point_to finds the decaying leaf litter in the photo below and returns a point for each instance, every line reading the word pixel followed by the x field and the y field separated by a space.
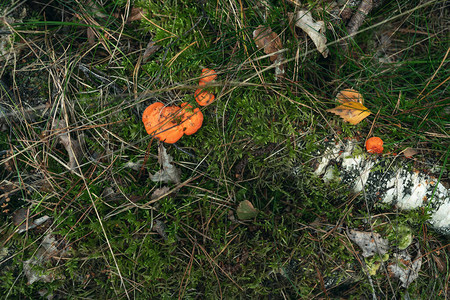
pixel 175 183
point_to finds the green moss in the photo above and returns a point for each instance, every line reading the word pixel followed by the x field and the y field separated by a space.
pixel 267 128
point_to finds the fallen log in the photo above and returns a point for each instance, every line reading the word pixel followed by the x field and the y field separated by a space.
pixel 384 179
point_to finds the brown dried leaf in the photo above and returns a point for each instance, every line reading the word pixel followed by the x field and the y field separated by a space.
pixel 72 146
pixel 23 221
pixel 439 263
pixel 409 152
pixel 20 217
pixel 267 40
pixel 160 192
pixel 91 36
pixel 136 14
pixel 161 228
pixel 151 48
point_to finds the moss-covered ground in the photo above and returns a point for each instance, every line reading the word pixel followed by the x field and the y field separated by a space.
pixel 82 62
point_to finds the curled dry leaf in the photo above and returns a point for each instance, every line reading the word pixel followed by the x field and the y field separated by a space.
pixel 314 29
pixel 352 109
pixel 72 146
pixel 135 166
pixel 136 14
pixel 405 269
pixel 161 228
pixel 409 152
pixel 270 42
pixel 371 243
pixel 267 40
pixel 21 219
pixel 159 192
pixel 441 266
pixel 151 48
pixel 91 36
pixel 168 172
pixel 37 267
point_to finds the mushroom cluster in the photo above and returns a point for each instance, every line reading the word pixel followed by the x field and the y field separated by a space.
pixel 204 97
pixel 169 123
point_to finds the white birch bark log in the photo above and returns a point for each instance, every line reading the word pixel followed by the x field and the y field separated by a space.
pixel 385 180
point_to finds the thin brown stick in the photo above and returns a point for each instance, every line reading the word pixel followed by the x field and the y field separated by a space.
pixel 356 21
pixel 359 16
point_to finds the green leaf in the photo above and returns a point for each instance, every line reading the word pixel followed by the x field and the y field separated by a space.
pixel 246 210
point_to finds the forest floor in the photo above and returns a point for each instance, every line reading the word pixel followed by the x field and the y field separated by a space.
pixel 92 206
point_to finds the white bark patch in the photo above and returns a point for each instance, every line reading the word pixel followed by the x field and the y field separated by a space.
pixel 441 217
pixel 385 180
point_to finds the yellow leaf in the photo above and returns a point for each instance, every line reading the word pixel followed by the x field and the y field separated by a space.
pixel 349 95
pixel 352 112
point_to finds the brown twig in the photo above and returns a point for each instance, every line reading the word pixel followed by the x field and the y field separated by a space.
pixel 359 16
pixel 357 19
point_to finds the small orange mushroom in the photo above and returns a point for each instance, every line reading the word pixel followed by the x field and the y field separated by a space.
pixel 208 75
pixel 170 130
pixel 374 145
pixel 162 122
pixel 192 119
pixel 203 98
pixel 150 117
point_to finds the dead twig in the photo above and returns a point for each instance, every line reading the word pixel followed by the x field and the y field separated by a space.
pixel 73 147
pixel 356 21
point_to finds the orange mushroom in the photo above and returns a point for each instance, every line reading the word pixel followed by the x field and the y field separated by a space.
pixel 203 98
pixel 191 119
pixel 374 145
pixel 150 117
pixel 208 75
pixel 162 122
pixel 171 132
